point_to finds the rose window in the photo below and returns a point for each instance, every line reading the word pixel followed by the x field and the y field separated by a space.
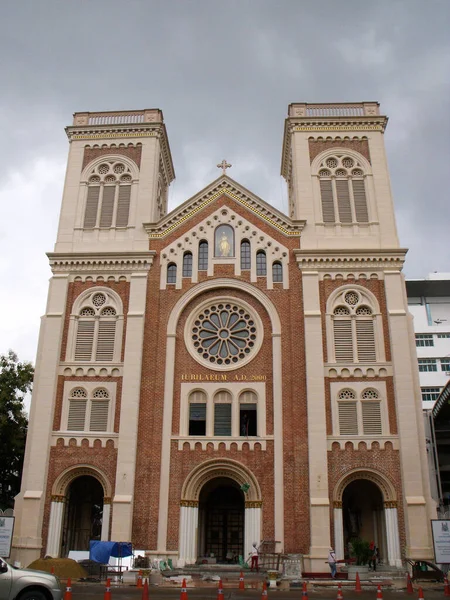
pixel 224 334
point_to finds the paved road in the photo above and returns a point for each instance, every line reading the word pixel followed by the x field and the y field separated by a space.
pixel 95 591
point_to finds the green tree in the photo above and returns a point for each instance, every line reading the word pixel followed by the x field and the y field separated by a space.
pixel 16 379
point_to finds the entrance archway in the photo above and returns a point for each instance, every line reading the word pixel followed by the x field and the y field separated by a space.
pixel 362 508
pixel 221 520
pixel 83 515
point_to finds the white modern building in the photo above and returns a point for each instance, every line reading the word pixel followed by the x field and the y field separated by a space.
pixel 429 303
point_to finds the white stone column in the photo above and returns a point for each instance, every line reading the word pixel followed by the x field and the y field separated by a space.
pixel 104 536
pixel 55 526
pixel 338 533
pixel 252 526
pixel 278 442
pixel 122 515
pixel 392 537
pixel 188 534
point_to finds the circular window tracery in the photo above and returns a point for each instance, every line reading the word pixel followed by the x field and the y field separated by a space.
pixel 351 298
pixel 224 334
pixel 98 300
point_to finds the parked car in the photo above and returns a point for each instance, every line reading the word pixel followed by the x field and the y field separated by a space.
pixel 26 584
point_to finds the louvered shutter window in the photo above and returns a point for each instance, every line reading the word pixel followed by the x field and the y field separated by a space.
pixel 106 214
pixel 222 419
pixel 343 343
pixel 105 340
pixel 348 418
pixel 326 193
pixel 365 336
pixel 85 340
pixel 343 198
pixel 99 411
pixel 77 415
pixel 371 417
pixel 90 215
pixel 359 195
pixel 123 206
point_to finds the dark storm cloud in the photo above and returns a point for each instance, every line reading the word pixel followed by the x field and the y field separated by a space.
pixel 224 73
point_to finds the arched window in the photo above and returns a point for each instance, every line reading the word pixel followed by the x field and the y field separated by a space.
pixel 171 273
pixel 88 412
pixel 277 272
pixel 246 261
pixel 187 264
pixel 203 256
pixel 197 413
pixel 342 191
pixel 248 414
pixel 96 329
pixel 261 263
pixel 224 241
pixel 353 328
pixel 222 413
pixel 371 412
pixel 108 196
pixel 360 416
pixel 348 415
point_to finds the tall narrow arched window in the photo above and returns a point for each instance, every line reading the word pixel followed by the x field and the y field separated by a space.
pixel 171 273
pixel 343 191
pixel 246 260
pixel 248 422
pixel 96 329
pixel 197 413
pixel 353 328
pixel 203 256
pixel 108 196
pixel 261 263
pixel 224 241
pixel 277 272
pixel 222 413
pixel 187 264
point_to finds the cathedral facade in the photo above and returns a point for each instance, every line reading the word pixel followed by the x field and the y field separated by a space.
pixel 224 374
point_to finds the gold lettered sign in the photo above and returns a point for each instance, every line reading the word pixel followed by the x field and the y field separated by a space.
pixel 221 377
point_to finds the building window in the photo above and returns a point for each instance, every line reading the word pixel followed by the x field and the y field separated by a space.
pixel 430 394
pixel 424 339
pixel 445 364
pixel 248 414
pixel 277 272
pixel 246 261
pixel 222 414
pixel 172 273
pixel 197 413
pixel 88 412
pixel 348 413
pixel 203 256
pixel 359 416
pixel 443 336
pixel 108 196
pixel 96 329
pixel 426 365
pixel 261 263
pixel 224 241
pixel 187 264
pixel 342 191
pixel 353 329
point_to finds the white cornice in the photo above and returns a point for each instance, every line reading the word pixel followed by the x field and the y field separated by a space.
pixel 378 260
pixel 101 262
pixel 225 186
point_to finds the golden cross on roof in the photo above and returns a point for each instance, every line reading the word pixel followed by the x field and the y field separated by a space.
pixel 224 166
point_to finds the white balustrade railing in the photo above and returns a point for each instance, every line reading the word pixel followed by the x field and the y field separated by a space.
pixel 338 111
pixel 116 119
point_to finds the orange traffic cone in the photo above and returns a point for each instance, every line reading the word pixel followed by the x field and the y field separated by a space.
pixel 358 583
pixel 339 594
pixel 421 594
pixel 68 592
pixel 264 591
pixel 107 595
pixel 241 581
pixel 447 587
pixel 220 591
pixel 183 595
pixel 145 590
pixel 139 580
pixel 409 587
pixel 379 593
pixel 304 592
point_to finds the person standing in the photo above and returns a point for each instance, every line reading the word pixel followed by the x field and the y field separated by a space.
pixel 332 562
pixel 254 555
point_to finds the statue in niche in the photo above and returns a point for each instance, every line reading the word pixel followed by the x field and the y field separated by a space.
pixel 224 241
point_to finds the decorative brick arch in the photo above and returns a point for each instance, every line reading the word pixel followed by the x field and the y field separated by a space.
pixel 381 481
pixel 63 481
pixel 212 469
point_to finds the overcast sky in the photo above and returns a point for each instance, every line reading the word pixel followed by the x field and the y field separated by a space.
pixel 223 72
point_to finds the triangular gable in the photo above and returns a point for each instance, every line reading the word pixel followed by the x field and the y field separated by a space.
pixel 224 185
